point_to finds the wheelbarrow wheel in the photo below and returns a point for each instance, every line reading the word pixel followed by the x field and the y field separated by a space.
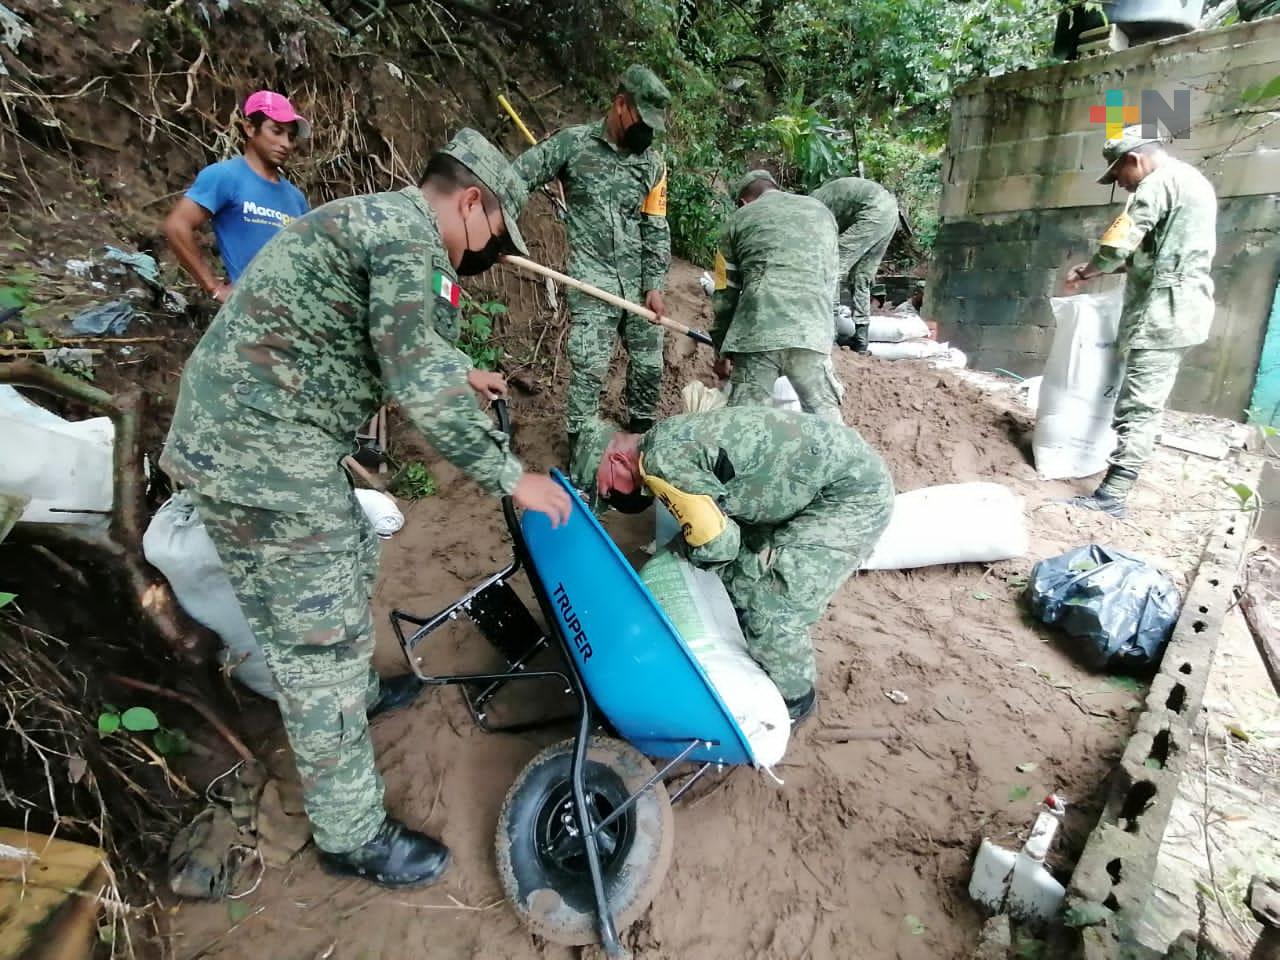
pixel 541 857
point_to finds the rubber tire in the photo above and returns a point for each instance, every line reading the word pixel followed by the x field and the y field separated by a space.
pixel 631 884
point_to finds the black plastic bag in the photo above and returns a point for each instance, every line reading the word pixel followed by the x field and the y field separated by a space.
pixel 1123 607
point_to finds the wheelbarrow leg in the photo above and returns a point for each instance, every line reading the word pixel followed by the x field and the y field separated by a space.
pixel 608 932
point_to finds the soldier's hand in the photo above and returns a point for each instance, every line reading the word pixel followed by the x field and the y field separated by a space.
pixel 1076 276
pixel 487 384
pixel 538 492
pixel 653 300
pixel 221 291
pixel 722 368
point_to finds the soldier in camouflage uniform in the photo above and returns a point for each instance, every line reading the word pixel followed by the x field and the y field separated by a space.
pixel 1164 241
pixel 866 216
pixel 783 506
pixel 616 191
pixel 775 270
pixel 341 311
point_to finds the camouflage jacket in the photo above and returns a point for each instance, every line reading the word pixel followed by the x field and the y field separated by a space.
pixel 350 306
pixel 735 468
pixel 775 271
pixel 852 199
pixel 1165 241
pixel 617 222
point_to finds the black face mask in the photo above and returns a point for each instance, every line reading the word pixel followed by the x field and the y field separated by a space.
pixel 478 261
pixel 637 137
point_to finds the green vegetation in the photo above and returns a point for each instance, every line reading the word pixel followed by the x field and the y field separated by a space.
pixel 414 482
pixel 811 88
pixel 476 332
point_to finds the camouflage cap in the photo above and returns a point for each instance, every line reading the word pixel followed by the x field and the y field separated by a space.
pixel 649 94
pixel 750 178
pixel 1116 149
pixel 879 290
pixel 473 151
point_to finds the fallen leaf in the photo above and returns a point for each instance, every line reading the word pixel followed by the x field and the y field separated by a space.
pixel 1124 683
pixel 914 925
pixel 1018 793
pixel 237 910
pixel 1026 767
pixel 108 722
pixel 139 719
pixel 1238 733
pixel 76 768
pixel 979 595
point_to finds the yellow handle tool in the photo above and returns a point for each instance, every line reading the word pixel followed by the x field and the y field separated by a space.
pixel 558 196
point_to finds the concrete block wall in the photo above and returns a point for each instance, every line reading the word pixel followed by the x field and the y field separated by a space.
pixel 1020 203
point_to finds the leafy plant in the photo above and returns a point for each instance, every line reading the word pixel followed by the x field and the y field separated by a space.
pixel 166 740
pixel 16 292
pixel 38 338
pixel 476 333
pixel 7 598
pixel 414 482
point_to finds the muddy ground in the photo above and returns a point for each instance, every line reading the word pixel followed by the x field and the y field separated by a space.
pixel 864 851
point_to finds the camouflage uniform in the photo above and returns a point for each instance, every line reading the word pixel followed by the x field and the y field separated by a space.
pixel 335 316
pixel 866 216
pixel 619 241
pixel 772 305
pixel 1165 240
pixel 783 506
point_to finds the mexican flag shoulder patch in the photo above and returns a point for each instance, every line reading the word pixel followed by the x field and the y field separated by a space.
pixel 446 289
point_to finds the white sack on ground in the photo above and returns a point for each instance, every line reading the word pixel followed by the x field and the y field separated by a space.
pixel 953 523
pixel 1082 375
pixel 698 605
pixel 909 350
pixel 177 545
pixel 63 466
pixel 895 328
pixel 785 396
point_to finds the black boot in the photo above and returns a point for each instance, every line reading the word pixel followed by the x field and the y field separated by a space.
pixel 1110 496
pixel 395 693
pixel 395 857
pixel 801 708
pixel 861 338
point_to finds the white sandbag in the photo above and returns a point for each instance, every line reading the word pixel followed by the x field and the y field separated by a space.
pixel 845 327
pixel 1082 375
pixel 1029 390
pixel 953 523
pixel 177 545
pixel 381 510
pixel 894 328
pixel 909 350
pixel 785 396
pixel 953 359
pixel 698 605
pixel 698 397
pixel 63 466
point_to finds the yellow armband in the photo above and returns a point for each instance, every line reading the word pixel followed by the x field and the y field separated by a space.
pixel 721 271
pixel 701 521
pixel 1117 235
pixel 655 201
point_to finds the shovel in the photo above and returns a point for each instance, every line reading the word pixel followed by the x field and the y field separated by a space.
pixel 529 266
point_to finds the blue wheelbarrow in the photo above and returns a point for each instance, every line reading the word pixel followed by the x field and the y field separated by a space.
pixel 585 835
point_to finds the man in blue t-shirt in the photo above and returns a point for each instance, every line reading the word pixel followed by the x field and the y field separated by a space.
pixel 246 197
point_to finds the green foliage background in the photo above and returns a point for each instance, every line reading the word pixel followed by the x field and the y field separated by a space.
pixel 811 88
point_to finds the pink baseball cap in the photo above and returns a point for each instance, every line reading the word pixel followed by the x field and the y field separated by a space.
pixel 278 108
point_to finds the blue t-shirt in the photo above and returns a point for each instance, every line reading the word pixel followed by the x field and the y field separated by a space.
pixel 247 209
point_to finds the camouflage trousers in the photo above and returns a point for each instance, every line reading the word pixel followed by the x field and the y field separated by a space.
pixel 860 249
pixel 809 371
pixel 593 332
pixel 304 582
pixel 1148 378
pixel 784 577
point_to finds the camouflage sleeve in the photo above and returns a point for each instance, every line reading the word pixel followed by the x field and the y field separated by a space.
pixel 542 163
pixel 728 279
pixel 655 234
pixel 684 478
pixel 425 374
pixel 1148 205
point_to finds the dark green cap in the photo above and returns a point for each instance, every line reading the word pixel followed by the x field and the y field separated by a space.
pixel 1115 150
pixel 473 151
pixel 750 178
pixel 649 94
pixel 879 290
